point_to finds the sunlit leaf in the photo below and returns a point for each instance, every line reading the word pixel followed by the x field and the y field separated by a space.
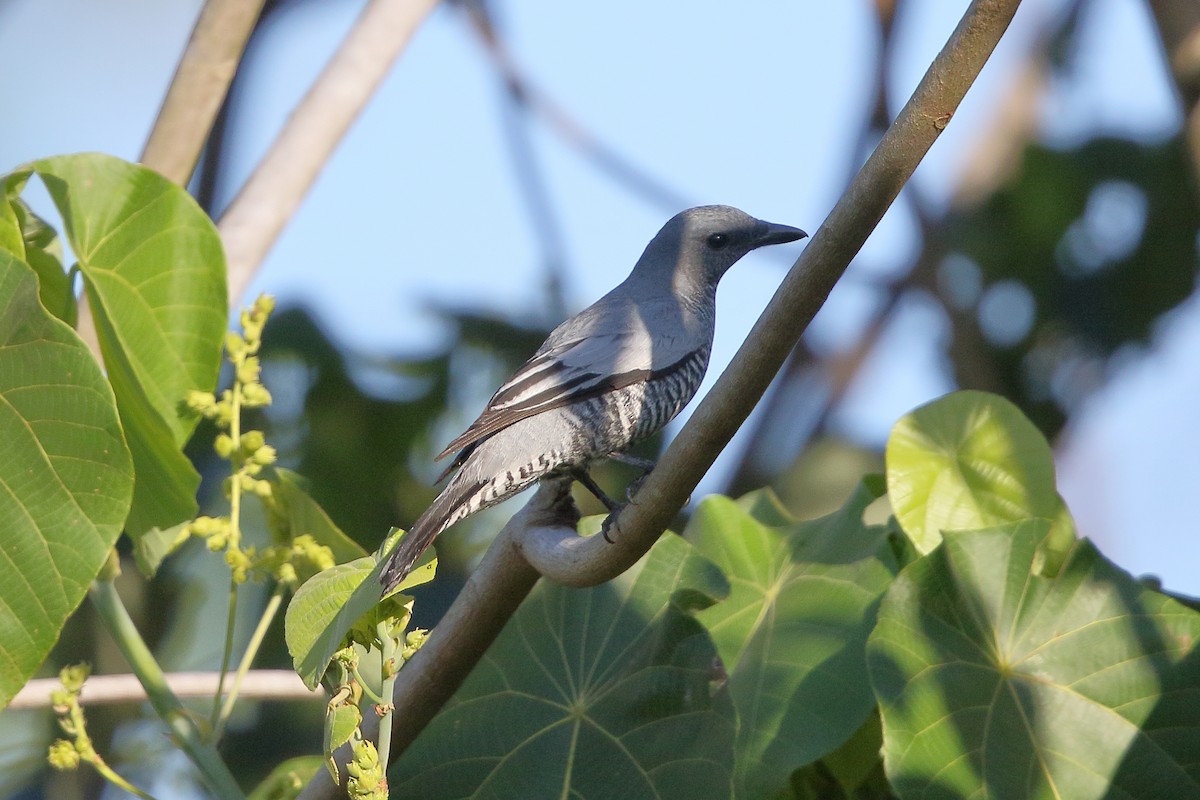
pixel 792 633
pixel 330 603
pixel 65 477
pixel 968 460
pixel 995 681
pixel 589 693
pixel 155 278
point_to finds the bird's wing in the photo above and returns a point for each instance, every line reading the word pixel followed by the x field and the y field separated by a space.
pixel 563 373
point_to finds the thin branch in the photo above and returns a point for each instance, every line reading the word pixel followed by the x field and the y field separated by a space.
pixel 261 684
pixel 199 87
pixel 272 194
pixel 1178 23
pixel 795 303
pixel 571 131
pixel 531 179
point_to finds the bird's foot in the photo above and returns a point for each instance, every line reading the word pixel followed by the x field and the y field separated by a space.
pixel 643 464
pixel 609 523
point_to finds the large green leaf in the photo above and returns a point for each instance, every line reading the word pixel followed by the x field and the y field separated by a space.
pixel 330 603
pixel 995 681
pixel 792 634
pixel 968 460
pixel 155 277
pixel 590 693
pixel 65 475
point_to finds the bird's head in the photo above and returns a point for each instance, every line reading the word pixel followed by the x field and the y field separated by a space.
pixel 696 247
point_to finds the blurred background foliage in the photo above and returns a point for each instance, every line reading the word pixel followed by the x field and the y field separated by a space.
pixel 1051 265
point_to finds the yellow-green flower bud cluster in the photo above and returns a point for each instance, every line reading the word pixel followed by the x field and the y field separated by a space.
pixel 68 753
pixel 247 451
pixel 413 641
pixel 367 781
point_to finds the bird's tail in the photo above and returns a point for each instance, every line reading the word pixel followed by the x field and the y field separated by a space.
pixel 447 509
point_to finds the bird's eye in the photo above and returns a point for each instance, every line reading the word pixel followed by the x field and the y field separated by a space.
pixel 717 241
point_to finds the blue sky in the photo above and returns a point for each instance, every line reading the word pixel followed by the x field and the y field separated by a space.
pixel 756 105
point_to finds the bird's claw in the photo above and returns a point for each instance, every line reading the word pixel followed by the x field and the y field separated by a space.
pixel 609 523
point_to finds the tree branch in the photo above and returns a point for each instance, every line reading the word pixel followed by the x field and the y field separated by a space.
pixel 272 194
pixel 199 86
pixel 795 303
pixel 506 576
pixel 259 684
pixel 1178 23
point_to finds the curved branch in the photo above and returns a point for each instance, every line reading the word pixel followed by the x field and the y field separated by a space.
pixel 272 194
pixel 798 298
pixel 505 577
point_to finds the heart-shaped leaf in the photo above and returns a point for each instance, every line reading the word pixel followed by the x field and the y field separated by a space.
pixel 969 460
pixel 589 693
pixel 995 681
pixel 792 634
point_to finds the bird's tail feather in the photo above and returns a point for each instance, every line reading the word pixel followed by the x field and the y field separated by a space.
pixel 439 516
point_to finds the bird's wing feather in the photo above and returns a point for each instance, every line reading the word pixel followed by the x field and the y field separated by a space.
pixel 562 374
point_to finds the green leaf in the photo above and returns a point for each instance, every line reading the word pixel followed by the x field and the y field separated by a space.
pixel 330 603
pixel 341 722
pixel 299 514
pixel 968 460
pixel 287 779
pixel 28 237
pixel 156 544
pixel 65 478
pixel 793 631
pixel 589 693
pixel 155 276
pixel 994 681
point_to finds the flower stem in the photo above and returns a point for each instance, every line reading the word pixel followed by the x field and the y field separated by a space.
pixel 256 640
pixel 116 620
pixel 226 657
pixel 234 542
pixel 388 650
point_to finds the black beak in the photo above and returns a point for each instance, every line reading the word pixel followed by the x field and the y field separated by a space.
pixel 778 234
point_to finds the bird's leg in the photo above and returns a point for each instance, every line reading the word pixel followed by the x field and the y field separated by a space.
pixel 644 464
pixel 613 507
pixel 585 479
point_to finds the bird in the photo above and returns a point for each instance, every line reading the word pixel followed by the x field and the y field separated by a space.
pixel 613 374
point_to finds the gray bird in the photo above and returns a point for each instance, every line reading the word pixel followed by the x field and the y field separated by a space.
pixel 613 374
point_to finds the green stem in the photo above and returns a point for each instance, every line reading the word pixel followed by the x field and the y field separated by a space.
pixel 116 620
pixel 226 657
pixel 235 542
pixel 113 777
pixel 390 667
pixel 256 640
pixel 367 690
